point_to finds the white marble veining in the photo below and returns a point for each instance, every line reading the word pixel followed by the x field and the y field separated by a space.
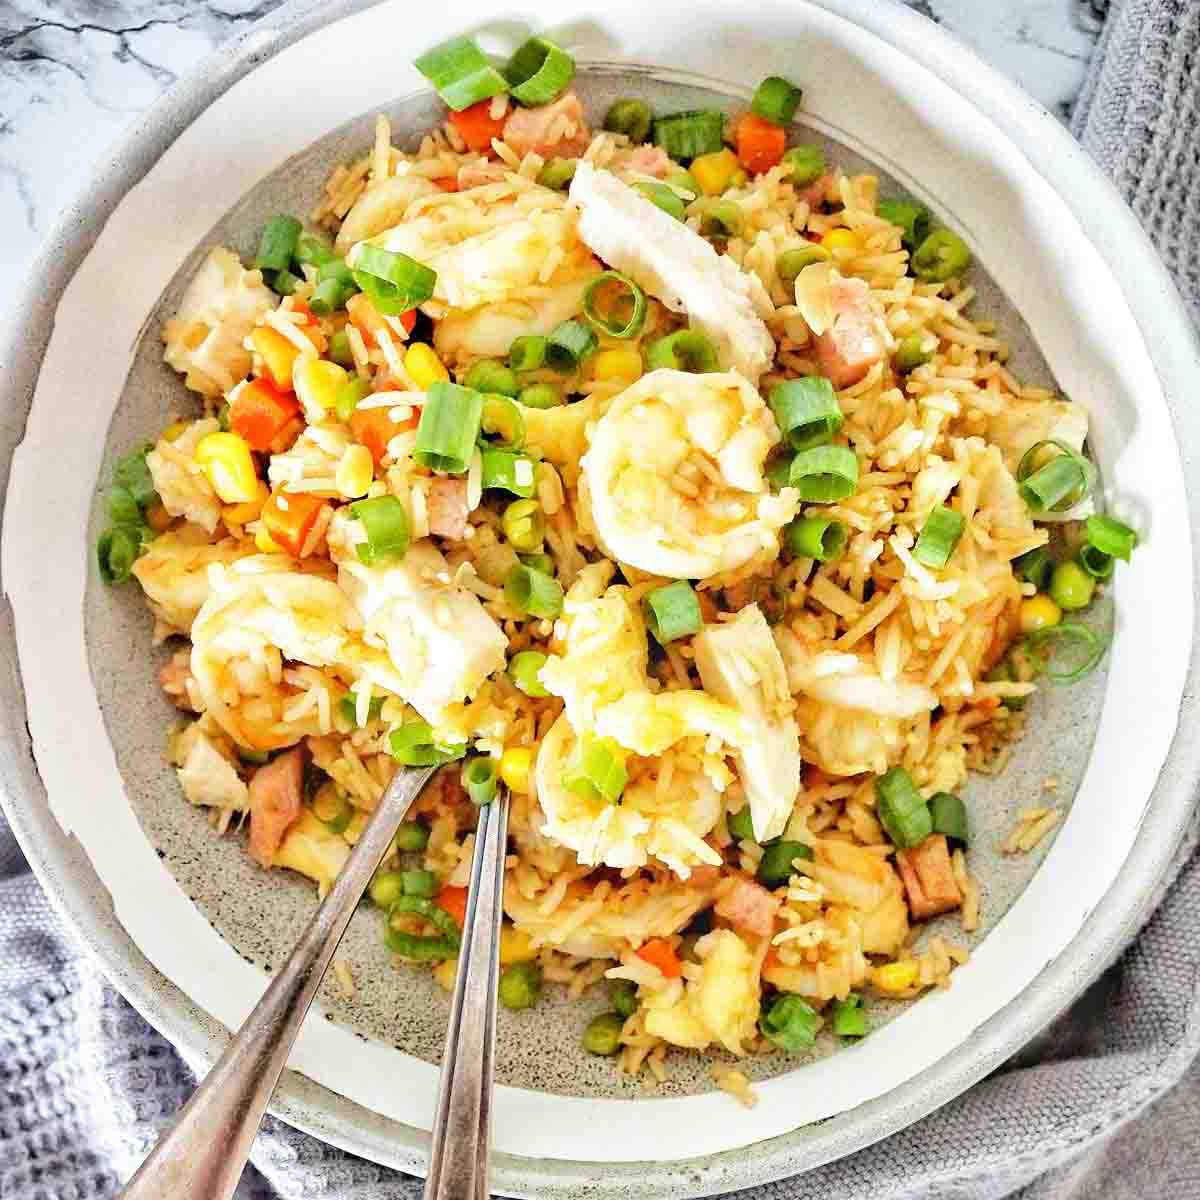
pixel 75 73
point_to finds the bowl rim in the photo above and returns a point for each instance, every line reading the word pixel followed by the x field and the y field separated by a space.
pixel 80 899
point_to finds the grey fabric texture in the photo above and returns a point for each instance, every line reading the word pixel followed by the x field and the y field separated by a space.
pixel 1102 1106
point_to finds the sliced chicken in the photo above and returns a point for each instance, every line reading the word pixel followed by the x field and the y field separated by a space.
pixel 276 800
pixel 208 778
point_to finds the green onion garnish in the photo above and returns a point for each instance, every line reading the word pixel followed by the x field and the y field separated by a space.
pixel 527 352
pixel 417 946
pixel 824 474
pixel 532 593
pixel 1095 562
pixel 339 348
pixel 775 867
pixel 539 72
pixel 394 283
pixel 662 197
pixel 687 135
pixel 541 395
pixel 1087 645
pixel 805 165
pixel 329 296
pixel 684 350
pixel 313 250
pixel 791 262
pixel 349 396
pixel 123 509
pixel 502 418
pixel 901 809
pixel 284 283
pixel 479 780
pixel 806 411
pixel 558 173
pixel 949 816
pixel 615 304
pixel 911 353
pixel 385 520
pixel 349 709
pixel 461 73
pixel 912 217
pixel 790 1023
pixel 847 1018
pixel 491 375
pixel 939 537
pixel 413 744
pixel 132 473
pixel 538 562
pixel 741 824
pixel 596 769
pixel 277 245
pixel 820 538
pixel 523 670
pixel 1111 536
pixel 633 118
pixel 568 345
pixel 449 428
pixel 673 611
pixel 941 255
pixel 508 471
pixel 1054 486
pixel 117 551
pixel 1035 567
pixel 778 469
pixel 776 100
pixel 721 220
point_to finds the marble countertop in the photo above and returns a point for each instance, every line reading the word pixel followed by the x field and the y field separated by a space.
pixel 75 73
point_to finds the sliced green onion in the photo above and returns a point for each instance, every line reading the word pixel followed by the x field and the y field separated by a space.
pixel 776 867
pixel 538 562
pixel 284 283
pixel 1111 536
pixel 911 353
pixel 791 262
pixel 662 197
pixel 558 173
pixel 687 135
pixel 385 520
pixel 1059 485
pixel 912 217
pixel 411 836
pixel 394 283
pixel 541 395
pixel 722 219
pixel 603 1034
pixel 460 73
pixel 902 810
pixel 419 883
pixel 776 100
pixel 741 824
pixel 123 509
pixel 416 946
pixel 449 428
pixel 479 778
pixel 117 551
pixel 508 471
pixel 847 1019
pixel 805 164
pixel 539 72
pixel 939 537
pixel 132 473
pixel 622 995
pixel 941 255
pixel 568 345
pixel 1035 567
pixel 824 474
pixel 1090 648
pixel 806 411
pixel 673 611
pixel 596 769
pixel 527 352
pixel 413 745
pixel 524 524
pixel 520 985
pixel 277 245
pixel 820 538
pixel 949 816
pixel 349 709
pixel 523 670
pixel 615 304
pixel 684 350
pixel 327 297
pixel 778 469
pixel 313 250
pixel 502 418
pixel 491 375
pixel 633 118
pixel 681 178
pixel 790 1023
pixel 339 349
pixel 349 396
pixel 332 809
pixel 386 888
pixel 532 593
pixel 1095 562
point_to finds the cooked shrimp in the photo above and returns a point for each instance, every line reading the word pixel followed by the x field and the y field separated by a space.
pixel 850 332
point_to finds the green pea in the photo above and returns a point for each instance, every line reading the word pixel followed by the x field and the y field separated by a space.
pixel 603 1034
pixel 805 165
pixel 741 824
pixel 541 395
pixel 557 174
pixel 520 985
pixel 630 117
pixel 775 866
pixel 910 354
pixel 622 995
pixel 941 256
pixel 790 1023
pixel 412 835
pixel 419 883
pixel 387 887
pixel 524 525
pixel 1071 587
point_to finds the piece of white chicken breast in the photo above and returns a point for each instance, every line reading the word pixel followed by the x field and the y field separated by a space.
pixel 208 778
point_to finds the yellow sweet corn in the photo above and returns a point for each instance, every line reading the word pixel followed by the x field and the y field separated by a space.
pixel 249 510
pixel 316 381
pixel 229 467
pixel 895 976
pixel 715 172
pixel 355 472
pixel 624 366
pixel 423 366
pixel 841 239
pixel 515 765
pixel 516 946
pixel 266 543
pixel 1039 612
pixel 173 430
pixel 277 353
pixel 445 972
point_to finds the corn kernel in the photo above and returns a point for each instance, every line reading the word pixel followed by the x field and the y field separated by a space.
pixel 277 353
pixel 1039 612
pixel 240 514
pixel 715 172
pixel 424 366
pixel 515 765
pixel 841 239
pixel 895 976
pixel 229 467
pixel 445 973
pixel 624 366
pixel 174 430
pixel 266 543
pixel 515 946
pixel 316 381
pixel 355 473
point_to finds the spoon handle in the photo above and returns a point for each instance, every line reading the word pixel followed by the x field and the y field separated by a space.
pixel 202 1155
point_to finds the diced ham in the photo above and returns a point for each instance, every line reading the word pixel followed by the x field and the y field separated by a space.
pixel 476 174
pixel 649 160
pixel 174 678
pixel 555 130
pixel 276 801
pixel 928 878
pixel 448 508
pixel 749 906
pixel 852 345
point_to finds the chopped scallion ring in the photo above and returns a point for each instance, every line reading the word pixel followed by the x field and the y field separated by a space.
pixel 417 946
pixel 533 593
pixel 132 473
pixel 806 411
pixel 523 670
pixel 949 815
pixel 791 1023
pixel 615 304
pixel 1049 641
pixel 901 809
pixel 277 245
pixel 479 778
pixel 684 350
pixel 939 537
pixel 1035 566
pixel 539 72
pixel 449 428
pixel 1111 536
pixel 385 520
pixel 1096 562
pixel 662 197
pixel 413 744
pixel 847 1018
pixel 507 470
pixel 461 73
pixel 673 611
pixel 502 418
pixel 568 345
pixel 824 474
pixel 541 395
pixel 687 135
pixel 776 100
pixel 633 118
pixel 819 538
pixel 912 217
pixel 313 250
pixel 393 282
pixel 1053 486
pixel 527 352
pixel 596 769
pixel 284 283
pixel 117 551
pixel 491 376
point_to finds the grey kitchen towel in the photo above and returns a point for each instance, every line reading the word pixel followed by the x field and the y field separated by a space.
pixel 1102 1106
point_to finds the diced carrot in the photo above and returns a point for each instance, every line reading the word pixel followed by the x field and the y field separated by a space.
pixel 760 145
pixel 771 959
pixel 454 901
pixel 277 353
pixel 658 952
pixel 260 413
pixel 290 526
pixel 448 183
pixel 364 316
pixel 374 427
pixel 476 126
